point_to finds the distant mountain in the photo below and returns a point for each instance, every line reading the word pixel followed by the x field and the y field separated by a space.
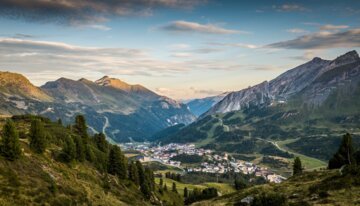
pixel 200 106
pixel 123 112
pixel 292 82
pixel 310 106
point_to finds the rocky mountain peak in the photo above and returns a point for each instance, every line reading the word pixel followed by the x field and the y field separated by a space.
pixel 346 58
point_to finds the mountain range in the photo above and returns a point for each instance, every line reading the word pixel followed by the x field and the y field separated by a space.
pixel 201 105
pixel 122 111
pixel 305 108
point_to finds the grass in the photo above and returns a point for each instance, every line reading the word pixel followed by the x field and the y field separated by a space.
pixel 310 163
pixel 223 188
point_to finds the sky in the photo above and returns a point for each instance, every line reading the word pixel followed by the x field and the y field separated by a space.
pixel 182 49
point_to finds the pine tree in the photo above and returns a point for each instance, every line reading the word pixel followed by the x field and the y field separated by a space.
pixel 101 143
pixel 165 187
pixel 80 127
pixel 240 184
pixel 80 149
pixel 186 193
pixel 9 145
pixel 161 182
pixel 59 121
pixel 133 173
pixel 344 155
pixel 37 136
pixel 69 149
pixel 89 153
pixel 174 187
pixel 297 166
pixel 117 164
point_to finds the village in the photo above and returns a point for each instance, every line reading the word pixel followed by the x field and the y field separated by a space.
pixel 214 163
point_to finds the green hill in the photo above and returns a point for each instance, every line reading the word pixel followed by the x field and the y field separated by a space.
pixel 47 179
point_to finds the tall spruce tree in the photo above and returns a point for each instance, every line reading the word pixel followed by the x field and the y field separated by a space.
pixel 186 193
pixel 80 127
pixel 37 136
pixel 133 173
pixel 297 166
pixel 9 145
pixel 344 155
pixel 117 164
pixel 101 143
pixel 174 187
pixel 80 149
pixel 69 149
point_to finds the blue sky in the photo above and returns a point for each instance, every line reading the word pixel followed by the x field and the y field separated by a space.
pixel 179 48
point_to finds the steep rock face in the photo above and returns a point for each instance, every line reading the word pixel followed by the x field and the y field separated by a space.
pixel 314 80
pixel 200 106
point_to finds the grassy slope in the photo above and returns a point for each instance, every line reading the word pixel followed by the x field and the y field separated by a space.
pixel 302 190
pixel 41 180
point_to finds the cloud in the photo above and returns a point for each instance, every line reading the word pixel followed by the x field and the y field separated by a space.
pixel 98 27
pixel 322 40
pixel 186 26
pixel 181 54
pixel 296 31
pixel 290 8
pixel 48 60
pixel 240 45
pixel 333 27
pixel 79 12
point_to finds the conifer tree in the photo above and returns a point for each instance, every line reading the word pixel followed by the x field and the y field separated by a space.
pixel 161 182
pixel 80 149
pixel 80 127
pixel 174 187
pixel 59 121
pixel 186 193
pixel 101 143
pixel 69 149
pixel 9 145
pixel 133 173
pixel 37 136
pixel 165 187
pixel 117 164
pixel 344 155
pixel 297 166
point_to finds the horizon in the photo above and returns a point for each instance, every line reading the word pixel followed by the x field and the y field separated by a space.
pixel 179 49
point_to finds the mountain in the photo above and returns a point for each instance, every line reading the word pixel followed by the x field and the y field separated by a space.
pixel 200 106
pixel 123 112
pixel 294 81
pixel 298 112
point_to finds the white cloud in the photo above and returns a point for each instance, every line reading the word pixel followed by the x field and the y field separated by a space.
pixel 333 27
pixel 322 40
pixel 186 26
pixel 296 31
pixel 290 8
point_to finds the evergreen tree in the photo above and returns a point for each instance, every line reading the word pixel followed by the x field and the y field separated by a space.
pixel 80 148
pixel 186 193
pixel 101 143
pixel 59 121
pixel 165 187
pixel 89 153
pixel 344 155
pixel 9 145
pixel 174 187
pixel 117 164
pixel 133 173
pixel 297 166
pixel 149 175
pixel 69 149
pixel 240 184
pixel 37 136
pixel 80 127
pixel 161 182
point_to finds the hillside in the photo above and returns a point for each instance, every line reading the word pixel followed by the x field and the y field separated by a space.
pixel 310 188
pixel 49 179
pixel 123 112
